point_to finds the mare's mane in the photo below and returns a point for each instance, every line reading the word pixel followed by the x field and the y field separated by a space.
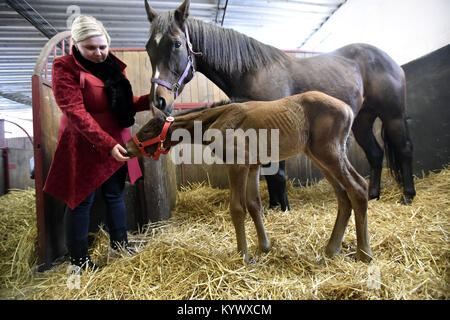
pixel 224 49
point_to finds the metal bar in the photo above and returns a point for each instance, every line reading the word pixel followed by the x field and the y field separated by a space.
pixel 30 57
pixel 224 12
pixel 6 168
pixel 29 137
pixel 15 81
pixel 38 169
pixel 127 49
pixel 16 39
pixel 13 71
pixel 217 11
pixel 130 3
pixel 31 15
pixel 45 69
pixel 2 133
pixel 321 25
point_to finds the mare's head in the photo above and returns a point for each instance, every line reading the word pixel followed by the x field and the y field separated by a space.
pixel 173 62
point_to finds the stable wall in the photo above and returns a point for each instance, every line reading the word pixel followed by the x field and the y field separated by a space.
pixel 19 168
pixel 20 151
pixel 428 98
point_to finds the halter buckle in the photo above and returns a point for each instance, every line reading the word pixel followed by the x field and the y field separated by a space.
pixel 175 87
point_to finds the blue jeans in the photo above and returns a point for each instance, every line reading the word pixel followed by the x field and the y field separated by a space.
pixel 77 220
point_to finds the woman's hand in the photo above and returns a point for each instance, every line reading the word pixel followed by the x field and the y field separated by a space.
pixel 118 153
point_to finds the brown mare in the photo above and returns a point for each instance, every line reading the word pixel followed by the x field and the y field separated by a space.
pixel 313 123
pixel 362 76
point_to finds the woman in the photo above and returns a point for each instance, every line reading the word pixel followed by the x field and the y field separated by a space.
pixel 98 106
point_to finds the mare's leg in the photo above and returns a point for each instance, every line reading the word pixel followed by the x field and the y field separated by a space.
pixel 397 136
pixel 344 211
pixel 362 130
pixel 254 207
pixel 333 157
pixel 390 99
pixel 276 185
pixel 237 178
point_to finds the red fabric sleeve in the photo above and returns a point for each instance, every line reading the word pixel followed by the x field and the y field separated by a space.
pixel 68 96
pixel 141 103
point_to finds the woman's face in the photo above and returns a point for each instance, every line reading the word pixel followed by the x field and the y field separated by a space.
pixel 94 49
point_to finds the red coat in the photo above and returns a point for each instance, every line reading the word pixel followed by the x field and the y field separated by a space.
pixel 87 133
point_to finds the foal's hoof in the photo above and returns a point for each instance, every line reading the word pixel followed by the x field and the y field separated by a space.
pixel 331 252
pixel 246 258
pixel 265 247
pixel 364 256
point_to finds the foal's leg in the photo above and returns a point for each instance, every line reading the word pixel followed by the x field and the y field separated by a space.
pixel 334 159
pixel 237 178
pixel 255 208
pixel 344 211
pixel 361 224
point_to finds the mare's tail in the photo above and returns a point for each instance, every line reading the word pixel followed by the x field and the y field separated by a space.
pixel 392 161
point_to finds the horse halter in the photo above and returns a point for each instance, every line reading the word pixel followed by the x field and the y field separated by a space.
pixel 175 87
pixel 159 139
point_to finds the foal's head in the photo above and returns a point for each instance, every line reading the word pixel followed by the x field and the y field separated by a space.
pixel 172 61
pixel 151 129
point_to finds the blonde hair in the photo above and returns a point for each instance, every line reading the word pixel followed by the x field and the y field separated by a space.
pixel 84 27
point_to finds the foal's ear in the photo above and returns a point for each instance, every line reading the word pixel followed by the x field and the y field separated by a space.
pixel 182 13
pixel 151 13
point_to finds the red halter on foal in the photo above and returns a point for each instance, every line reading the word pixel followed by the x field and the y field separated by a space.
pixel 159 139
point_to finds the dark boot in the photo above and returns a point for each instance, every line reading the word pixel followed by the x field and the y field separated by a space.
pixel 79 257
pixel 119 243
pixel 85 263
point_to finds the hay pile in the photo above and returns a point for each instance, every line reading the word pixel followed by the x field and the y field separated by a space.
pixel 193 255
pixel 18 234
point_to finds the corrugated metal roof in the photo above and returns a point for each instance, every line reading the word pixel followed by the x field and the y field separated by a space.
pixel 285 24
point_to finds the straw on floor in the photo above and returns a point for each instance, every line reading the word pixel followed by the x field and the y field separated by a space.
pixel 193 255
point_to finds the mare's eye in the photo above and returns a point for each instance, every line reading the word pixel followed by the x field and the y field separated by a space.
pixel 177 44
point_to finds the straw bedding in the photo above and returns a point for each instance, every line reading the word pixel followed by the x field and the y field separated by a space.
pixel 193 255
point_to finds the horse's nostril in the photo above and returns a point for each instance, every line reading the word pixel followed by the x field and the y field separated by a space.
pixel 162 103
